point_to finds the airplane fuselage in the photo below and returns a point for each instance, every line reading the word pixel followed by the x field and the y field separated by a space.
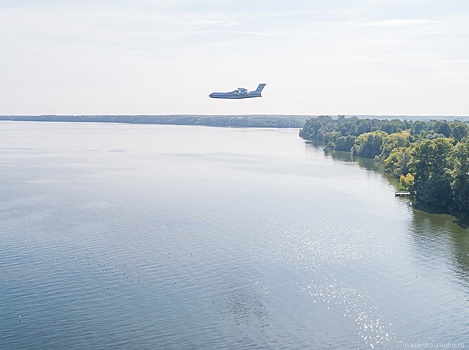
pixel 234 95
pixel 239 93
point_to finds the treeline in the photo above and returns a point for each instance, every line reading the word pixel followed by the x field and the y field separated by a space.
pixel 234 121
pixel 431 158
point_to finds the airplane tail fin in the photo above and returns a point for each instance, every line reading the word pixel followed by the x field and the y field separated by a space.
pixel 260 87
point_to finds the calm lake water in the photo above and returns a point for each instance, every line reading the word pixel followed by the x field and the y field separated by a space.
pixel 118 236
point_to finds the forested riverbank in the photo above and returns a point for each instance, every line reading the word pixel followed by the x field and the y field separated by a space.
pixel 429 157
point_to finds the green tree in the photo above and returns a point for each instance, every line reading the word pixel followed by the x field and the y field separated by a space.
pixel 459 159
pixel 444 129
pixel 395 140
pixel 429 165
pixel 368 144
pixel 417 127
pixel 392 126
pixel 345 143
pixel 407 181
pixel 397 161
pixel 330 137
pixel 459 131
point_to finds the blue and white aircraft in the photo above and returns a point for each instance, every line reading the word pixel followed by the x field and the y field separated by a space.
pixel 239 93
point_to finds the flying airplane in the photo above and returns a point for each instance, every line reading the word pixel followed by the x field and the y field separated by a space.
pixel 239 93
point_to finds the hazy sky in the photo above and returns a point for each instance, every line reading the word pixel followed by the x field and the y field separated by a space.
pixel 406 57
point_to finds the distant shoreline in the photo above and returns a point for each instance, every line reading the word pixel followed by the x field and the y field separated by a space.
pixel 247 120
pixel 236 121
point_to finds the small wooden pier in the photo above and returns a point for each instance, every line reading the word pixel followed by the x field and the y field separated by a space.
pixel 402 194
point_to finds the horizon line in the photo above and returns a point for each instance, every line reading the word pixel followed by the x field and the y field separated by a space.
pixel 239 115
